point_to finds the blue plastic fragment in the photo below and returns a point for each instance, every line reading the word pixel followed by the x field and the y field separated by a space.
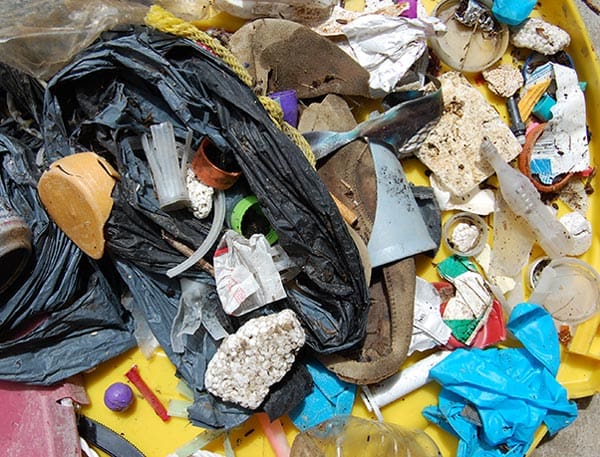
pixel 494 400
pixel 543 169
pixel 542 109
pixel 330 397
pixel 512 12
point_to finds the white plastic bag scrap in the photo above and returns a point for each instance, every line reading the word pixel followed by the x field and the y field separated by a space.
pixel 388 46
pixel 246 275
pixel 429 329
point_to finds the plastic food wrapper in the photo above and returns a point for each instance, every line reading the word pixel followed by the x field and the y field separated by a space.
pixel 40 36
pixel 494 400
pixel 102 101
pixel 245 272
pixel 429 330
pixel 563 146
pixel 468 310
pixel 388 46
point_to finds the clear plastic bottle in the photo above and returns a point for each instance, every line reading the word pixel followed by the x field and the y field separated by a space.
pixel 349 436
pixel 524 200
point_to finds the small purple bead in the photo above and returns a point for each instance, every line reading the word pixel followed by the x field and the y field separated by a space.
pixel 118 396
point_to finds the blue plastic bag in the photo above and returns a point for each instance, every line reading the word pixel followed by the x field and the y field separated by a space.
pixel 494 400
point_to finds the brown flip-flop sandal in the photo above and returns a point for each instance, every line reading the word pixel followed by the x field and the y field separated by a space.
pixel 349 174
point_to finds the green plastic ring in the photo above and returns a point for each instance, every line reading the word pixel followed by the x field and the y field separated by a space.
pixel 240 210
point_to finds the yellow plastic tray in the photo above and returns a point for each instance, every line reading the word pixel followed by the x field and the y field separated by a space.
pixel 579 373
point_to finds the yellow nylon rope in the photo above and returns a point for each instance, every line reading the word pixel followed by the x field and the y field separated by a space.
pixel 161 19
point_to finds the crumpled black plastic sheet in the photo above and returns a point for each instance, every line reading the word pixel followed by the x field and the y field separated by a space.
pixel 107 98
pixel 62 306
pixel 123 84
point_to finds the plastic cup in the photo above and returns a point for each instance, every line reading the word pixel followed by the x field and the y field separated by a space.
pixel 569 289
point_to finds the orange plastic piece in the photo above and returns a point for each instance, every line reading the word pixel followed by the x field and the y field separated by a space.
pixel 76 191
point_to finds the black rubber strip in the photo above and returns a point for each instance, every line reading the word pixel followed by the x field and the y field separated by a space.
pixel 106 439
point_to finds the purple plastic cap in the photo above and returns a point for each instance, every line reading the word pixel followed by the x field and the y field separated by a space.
pixel 289 105
pixel 118 396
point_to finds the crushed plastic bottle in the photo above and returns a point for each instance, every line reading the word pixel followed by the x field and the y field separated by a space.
pixel 522 197
pixel 345 435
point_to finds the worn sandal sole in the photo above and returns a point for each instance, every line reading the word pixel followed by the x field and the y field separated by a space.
pixel 350 176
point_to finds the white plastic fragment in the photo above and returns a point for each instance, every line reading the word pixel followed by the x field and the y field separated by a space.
pixel 144 337
pixel 254 358
pixel 513 241
pixel 403 383
pixel 540 36
pixel 580 230
pixel 477 201
pixel 201 195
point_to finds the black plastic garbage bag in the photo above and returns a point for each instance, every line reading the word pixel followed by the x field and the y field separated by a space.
pixel 106 99
pixel 129 80
pixel 61 316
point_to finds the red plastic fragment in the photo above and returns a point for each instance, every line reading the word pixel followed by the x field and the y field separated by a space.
pixel 134 376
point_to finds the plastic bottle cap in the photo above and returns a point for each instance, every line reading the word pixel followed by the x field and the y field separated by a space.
pixel 465 234
pixel 535 270
pixel 242 210
pixel 542 108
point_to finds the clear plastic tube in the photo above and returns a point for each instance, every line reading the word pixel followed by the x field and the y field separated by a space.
pixel 524 200
pixel 211 238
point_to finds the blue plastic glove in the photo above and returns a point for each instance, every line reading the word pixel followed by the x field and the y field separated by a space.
pixel 508 392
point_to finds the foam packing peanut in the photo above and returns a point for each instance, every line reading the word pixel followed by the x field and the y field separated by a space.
pixel 76 192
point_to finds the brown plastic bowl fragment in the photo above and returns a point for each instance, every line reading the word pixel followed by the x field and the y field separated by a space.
pixel 76 191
